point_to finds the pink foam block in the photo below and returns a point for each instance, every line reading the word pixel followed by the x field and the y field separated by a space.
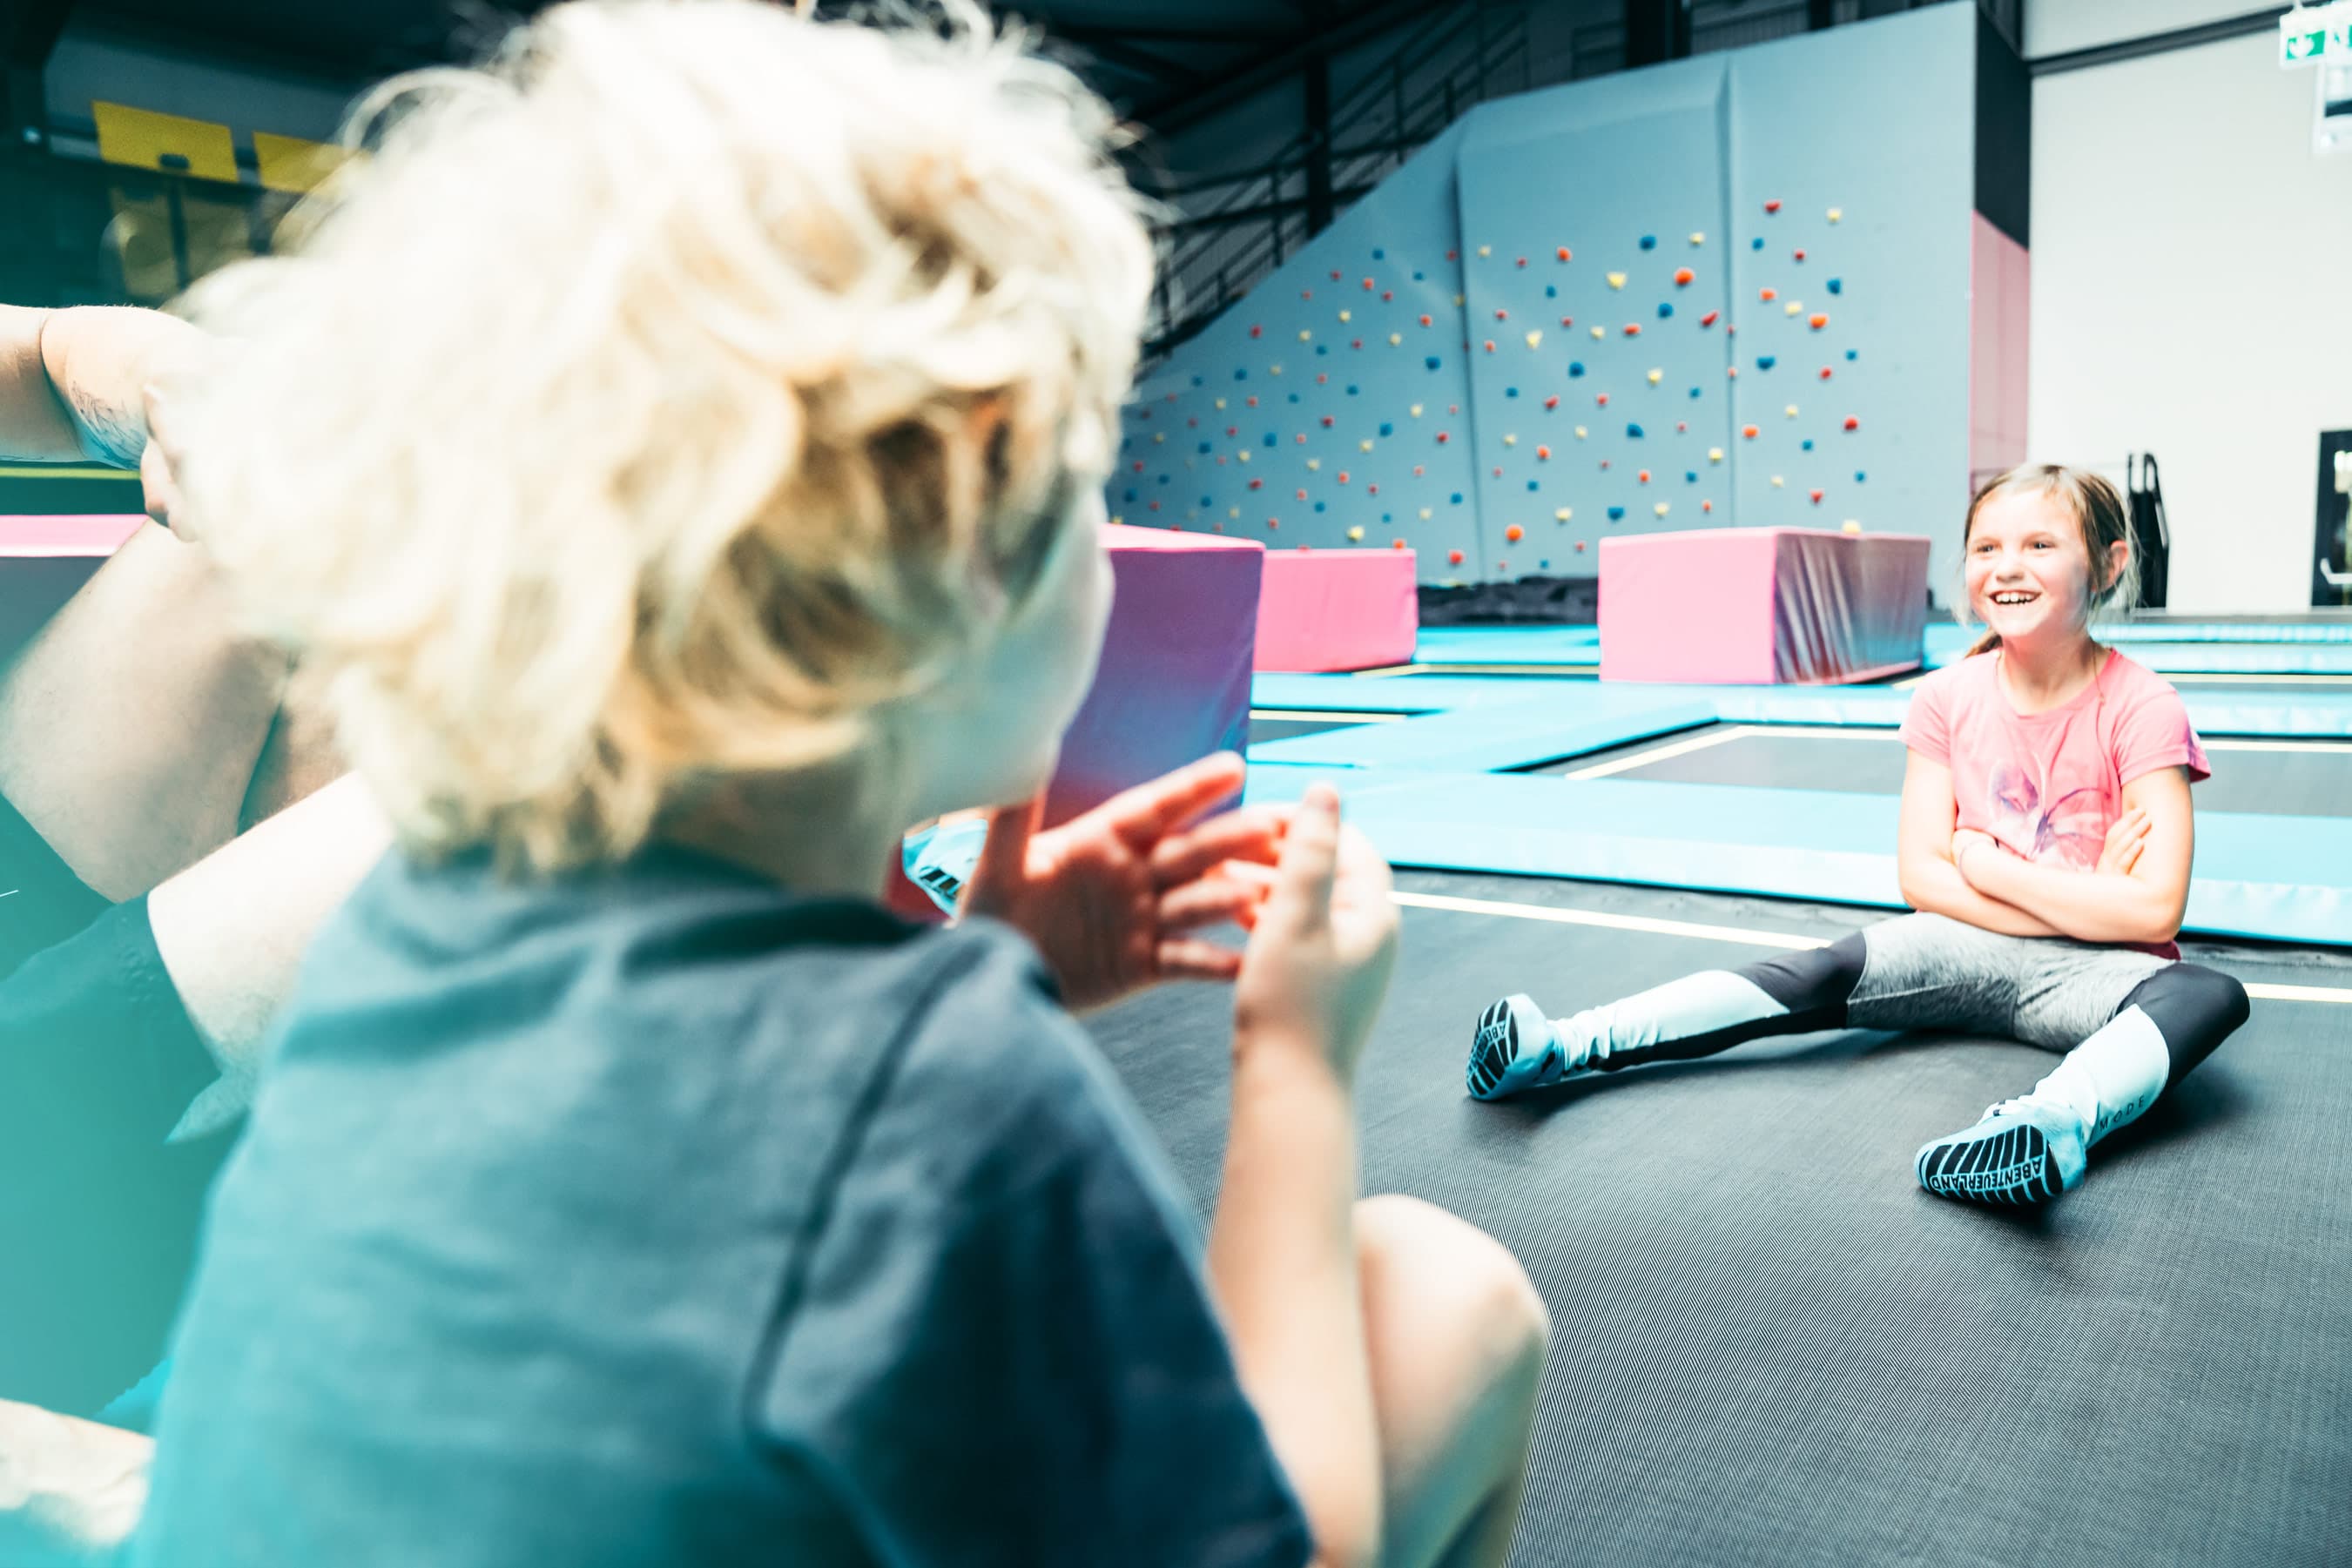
pixel 44 561
pixel 1174 682
pixel 1760 606
pixel 1336 610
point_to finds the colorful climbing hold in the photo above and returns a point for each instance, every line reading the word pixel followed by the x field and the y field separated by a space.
pixel 1697 238
pixel 1431 361
pixel 1257 331
pixel 1552 402
pixel 1649 242
pixel 1490 345
pixel 1633 432
pixel 1580 433
pixel 1825 373
pixel 1562 514
pixel 1543 454
pixel 1575 369
pixel 1484 251
pixel 1755 244
pixel 1660 509
pixel 1305 336
pixel 1616 280
pixel 1777 482
pixel 1773 205
pixel 1601 400
pixel 1790 410
pixel 1632 328
pixel 1563 253
pixel 1656 376
pixel 1415 410
pixel 1597 334
pixel 1837 286
pixel 1535 338
pixel 1394 339
pixel 1508 441
pixel 1766 361
pixel 1452 556
pixel 1665 309
pixel 1748 431
pixel 1817 321
pixel 1800 255
pixel 1684 277
pixel 1809 443
pixel 1851 422
pixel 1706 506
pixel 1859 476
pixel 1346 316
pixel 1768 295
pixel 1616 514
pixel 1515 533
pixel 1642 477
pixel 1442 437
pixel 1836 212
pixel 1708 319
pixel 1851 355
pixel 1849 526
pixel 1816 496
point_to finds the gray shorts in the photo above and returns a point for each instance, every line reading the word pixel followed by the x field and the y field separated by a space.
pixel 1929 971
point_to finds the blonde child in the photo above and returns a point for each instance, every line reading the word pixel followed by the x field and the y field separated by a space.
pixel 2045 844
pixel 699 419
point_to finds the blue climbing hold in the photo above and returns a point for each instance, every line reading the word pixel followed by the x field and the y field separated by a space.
pixel 1322 348
pixel 1531 484
pixel 1269 438
pixel 1633 432
pixel 1575 369
pixel 1809 445
pixel 1837 286
pixel 1543 565
pixel 1163 478
pixel 1351 392
pixel 1130 494
pixel 1616 514
pixel 1695 391
pixel 1457 497
pixel 1416 278
pixel 1766 361
pixel 1551 291
pixel 1204 446
pixel 1431 361
pixel 1859 476
pixel 1318 506
pixel 1388 518
pixel 1510 392
pixel 1690 477
pixel 1205 501
pixel 1854 354
pixel 1196 380
pixel 1293 397
pixel 1387 429
pixel 1666 309
pixel 1241 375
pixel 1649 242
pixel 1755 244
pixel 1379 256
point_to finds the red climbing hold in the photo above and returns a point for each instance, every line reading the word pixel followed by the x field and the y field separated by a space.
pixel 1302 494
pixel 1355 342
pixel 1825 373
pixel 1851 422
pixel 1449 255
pixel 1498 473
pixel 1424 320
pixel 1602 400
pixel 1368 286
pixel 1643 476
pixel 1709 318
pixel 1552 402
pixel 1801 255
pixel 1773 205
pixel 1632 328
pixel 1543 454
pixel 1816 496
pixel 1523 261
pixel 1490 345
pixel 1257 331
pixel 1396 544
pixel 1257 484
pixel 1343 475
pixel 1443 438
pixel 1335 275
pixel 1452 556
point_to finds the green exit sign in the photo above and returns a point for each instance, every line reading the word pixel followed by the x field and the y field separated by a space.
pixel 2310 33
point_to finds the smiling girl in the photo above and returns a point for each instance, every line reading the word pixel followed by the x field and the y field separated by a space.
pixel 2045 841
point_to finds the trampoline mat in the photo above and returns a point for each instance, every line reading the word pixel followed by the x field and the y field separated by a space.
pixel 2315 783
pixel 1770 1346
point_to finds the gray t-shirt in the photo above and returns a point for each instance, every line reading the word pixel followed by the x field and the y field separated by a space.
pixel 660 1218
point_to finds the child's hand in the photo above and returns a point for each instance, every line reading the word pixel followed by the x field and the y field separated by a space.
pixel 2125 839
pixel 1968 839
pixel 1318 960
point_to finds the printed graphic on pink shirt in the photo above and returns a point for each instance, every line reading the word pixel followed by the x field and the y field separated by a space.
pixel 2069 831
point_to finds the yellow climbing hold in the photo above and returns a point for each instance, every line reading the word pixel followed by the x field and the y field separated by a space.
pixel 1158 436
pixel 1790 410
pixel 1345 316
pixel 1715 454
pixel 1616 280
pixel 1313 464
pixel 1115 519
pixel 1484 251
pixel 1416 411
pixel 1233 511
pixel 1394 339
pixel 1365 444
pixel 1597 332
pixel 1274 369
pixel 1424 514
pixel 1305 336
pixel 1580 433
pixel 1535 340
pixel 1511 441
pixel 1777 482
pixel 1658 376
pixel 1697 238
pixel 1221 403
pixel 1796 307
pixel 1660 509
pixel 1243 455
pixel 1563 515
pixel 1849 526
pixel 1457 301
pixel 1356 534
pixel 1836 212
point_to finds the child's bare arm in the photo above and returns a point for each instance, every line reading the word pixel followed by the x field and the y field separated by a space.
pixel 1931 883
pixel 1282 1249
pixel 2144 904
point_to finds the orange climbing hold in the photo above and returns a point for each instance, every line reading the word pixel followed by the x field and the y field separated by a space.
pixel 1748 431
pixel 1564 254
pixel 1683 277
pixel 1490 345
pixel 1768 294
pixel 1454 558
pixel 1632 328
pixel 1818 322
pixel 1643 476
pixel 1543 454
pixel 1602 400
pixel 1515 533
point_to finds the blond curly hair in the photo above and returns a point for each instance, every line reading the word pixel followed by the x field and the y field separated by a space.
pixel 661 398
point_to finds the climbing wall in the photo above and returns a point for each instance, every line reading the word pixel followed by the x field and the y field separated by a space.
pixel 1731 291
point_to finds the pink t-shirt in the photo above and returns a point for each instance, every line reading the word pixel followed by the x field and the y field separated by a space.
pixel 2050 785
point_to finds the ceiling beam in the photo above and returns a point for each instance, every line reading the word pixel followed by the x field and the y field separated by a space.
pixel 1179 110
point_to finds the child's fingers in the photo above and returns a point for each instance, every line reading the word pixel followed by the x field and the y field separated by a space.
pixel 1004 853
pixel 1310 850
pixel 1254 834
pixel 1207 902
pixel 1191 958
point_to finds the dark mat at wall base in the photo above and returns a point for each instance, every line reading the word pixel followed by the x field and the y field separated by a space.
pixel 1770 1346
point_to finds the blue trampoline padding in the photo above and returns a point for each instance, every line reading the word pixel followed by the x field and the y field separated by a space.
pixel 2277 878
pixel 1384 693
pixel 1565 720
pixel 1507 645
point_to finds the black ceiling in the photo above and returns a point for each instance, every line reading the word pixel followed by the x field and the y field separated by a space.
pixel 1158 60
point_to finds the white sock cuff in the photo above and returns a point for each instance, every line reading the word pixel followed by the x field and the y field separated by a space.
pixel 2120 1070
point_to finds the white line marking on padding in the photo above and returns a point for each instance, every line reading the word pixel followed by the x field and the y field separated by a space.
pixel 1659 753
pixel 1705 933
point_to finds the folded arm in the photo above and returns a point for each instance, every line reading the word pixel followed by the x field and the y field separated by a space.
pixel 1931 883
pixel 2144 904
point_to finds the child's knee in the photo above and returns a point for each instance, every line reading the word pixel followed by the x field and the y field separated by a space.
pixel 1459 1276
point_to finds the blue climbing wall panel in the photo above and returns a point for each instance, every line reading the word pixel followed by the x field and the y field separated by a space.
pixel 1421 370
